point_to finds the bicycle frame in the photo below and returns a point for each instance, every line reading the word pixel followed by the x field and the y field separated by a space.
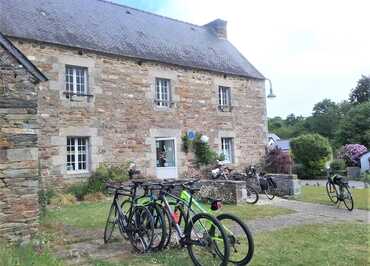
pixel 186 197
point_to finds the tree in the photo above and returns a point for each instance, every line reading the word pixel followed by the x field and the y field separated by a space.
pixel 355 127
pixel 325 119
pixel 323 107
pixel 361 93
pixel 311 152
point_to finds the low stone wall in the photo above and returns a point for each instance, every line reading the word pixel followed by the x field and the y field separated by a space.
pixel 233 192
pixel 287 185
pixel 230 192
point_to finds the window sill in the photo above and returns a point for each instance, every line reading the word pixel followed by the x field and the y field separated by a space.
pixel 78 174
pixel 76 98
pixel 169 108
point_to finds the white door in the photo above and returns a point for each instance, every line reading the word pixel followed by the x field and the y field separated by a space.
pixel 166 164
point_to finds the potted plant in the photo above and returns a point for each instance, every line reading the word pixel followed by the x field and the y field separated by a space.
pixel 351 154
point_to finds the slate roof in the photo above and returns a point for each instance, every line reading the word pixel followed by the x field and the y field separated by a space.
pixel 22 59
pixel 116 29
pixel 283 144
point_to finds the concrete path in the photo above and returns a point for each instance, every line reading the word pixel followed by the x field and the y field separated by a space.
pixel 306 213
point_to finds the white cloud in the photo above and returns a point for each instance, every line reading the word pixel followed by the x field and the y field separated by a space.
pixel 310 49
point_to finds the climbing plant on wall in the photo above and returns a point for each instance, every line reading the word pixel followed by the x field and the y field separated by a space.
pixel 204 154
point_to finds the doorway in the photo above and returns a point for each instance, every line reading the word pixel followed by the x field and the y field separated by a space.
pixel 166 164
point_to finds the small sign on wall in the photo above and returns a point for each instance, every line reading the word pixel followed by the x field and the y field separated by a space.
pixel 191 135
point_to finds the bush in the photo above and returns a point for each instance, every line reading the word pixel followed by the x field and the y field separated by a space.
pixel 203 152
pixel 79 190
pixel 312 151
pixel 351 154
pixel 98 180
pixel 365 177
pixel 63 199
pixel 338 165
pixel 94 197
pixel 278 162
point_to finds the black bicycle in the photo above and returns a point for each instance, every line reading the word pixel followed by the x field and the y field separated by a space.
pixel 203 236
pixel 136 223
pixel 338 190
pixel 267 184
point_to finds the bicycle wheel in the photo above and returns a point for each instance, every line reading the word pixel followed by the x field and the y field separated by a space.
pixel 111 223
pixel 125 207
pixel 270 192
pixel 160 228
pixel 332 192
pixel 168 221
pixel 206 239
pixel 252 195
pixel 179 217
pixel 347 198
pixel 141 229
pixel 240 239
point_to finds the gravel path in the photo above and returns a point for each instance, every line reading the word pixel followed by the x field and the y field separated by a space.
pixel 306 213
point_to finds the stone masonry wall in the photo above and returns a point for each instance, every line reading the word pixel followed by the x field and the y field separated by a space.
pixel 19 177
pixel 121 119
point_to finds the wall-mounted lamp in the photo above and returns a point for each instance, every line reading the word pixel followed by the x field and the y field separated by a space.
pixel 271 95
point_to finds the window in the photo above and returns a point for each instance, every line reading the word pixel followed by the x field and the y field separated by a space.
pixel 227 148
pixel 76 81
pixel 77 154
pixel 224 99
pixel 162 92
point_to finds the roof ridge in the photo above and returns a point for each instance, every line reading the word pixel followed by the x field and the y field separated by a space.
pixel 148 12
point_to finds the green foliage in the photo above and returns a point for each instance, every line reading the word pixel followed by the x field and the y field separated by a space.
pixel 361 93
pixel 97 181
pixel 79 190
pixel 204 155
pixel 325 119
pixel 312 151
pixel 291 127
pixel 338 165
pixel 203 152
pixel 45 196
pixel 355 127
pixel 365 177
pixel 185 143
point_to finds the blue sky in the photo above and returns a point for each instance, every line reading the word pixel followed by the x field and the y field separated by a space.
pixel 310 49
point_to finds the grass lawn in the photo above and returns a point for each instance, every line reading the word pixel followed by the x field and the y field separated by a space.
pixel 26 256
pixel 94 215
pixel 341 244
pixel 361 197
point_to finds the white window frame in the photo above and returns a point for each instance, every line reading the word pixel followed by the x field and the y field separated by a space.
pixel 162 93
pixel 227 149
pixel 76 154
pixel 224 98
pixel 71 86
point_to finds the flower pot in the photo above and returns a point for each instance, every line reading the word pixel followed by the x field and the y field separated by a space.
pixel 353 172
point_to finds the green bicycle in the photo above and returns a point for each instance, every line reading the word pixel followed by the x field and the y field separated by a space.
pixel 239 236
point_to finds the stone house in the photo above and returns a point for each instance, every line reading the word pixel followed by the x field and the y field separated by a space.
pixel 19 175
pixel 124 84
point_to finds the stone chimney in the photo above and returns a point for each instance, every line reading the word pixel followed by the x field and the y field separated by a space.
pixel 218 27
